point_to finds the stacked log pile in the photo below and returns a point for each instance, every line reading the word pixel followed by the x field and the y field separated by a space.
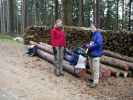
pixel 120 42
pixel 110 66
pixel 37 33
pixel 116 41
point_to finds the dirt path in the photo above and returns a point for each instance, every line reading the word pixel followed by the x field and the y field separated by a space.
pixel 30 78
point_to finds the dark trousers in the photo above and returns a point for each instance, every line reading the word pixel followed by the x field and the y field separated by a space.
pixel 58 58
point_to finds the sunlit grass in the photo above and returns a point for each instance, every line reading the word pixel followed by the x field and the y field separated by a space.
pixel 4 38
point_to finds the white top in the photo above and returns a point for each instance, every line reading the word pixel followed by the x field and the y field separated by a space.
pixel 81 62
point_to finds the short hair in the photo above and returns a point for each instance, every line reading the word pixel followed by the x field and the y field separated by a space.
pixel 58 23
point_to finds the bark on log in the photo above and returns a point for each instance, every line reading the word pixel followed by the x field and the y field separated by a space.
pixel 43 46
pixel 83 29
pixel 113 73
pixel 105 72
pixel 116 63
pixel 105 69
pixel 105 60
pixel 118 56
pixel 69 68
pixel 108 60
pixel 116 72
pixel 50 58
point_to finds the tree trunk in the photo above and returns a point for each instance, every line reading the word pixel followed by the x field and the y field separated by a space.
pixel 96 12
pixel 129 23
pixel 8 17
pixel 117 14
pixel 123 14
pixel 81 13
pixel 3 17
pixel 24 15
pixel 0 15
pixel 67 9
pixel 11 14
pixel 56 9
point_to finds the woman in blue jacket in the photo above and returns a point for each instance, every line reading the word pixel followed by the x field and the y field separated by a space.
pixel 95 53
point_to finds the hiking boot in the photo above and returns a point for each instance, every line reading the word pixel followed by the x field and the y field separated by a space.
pixel 57 72
pixel 92 85
pixel 61 73
pixel 90 80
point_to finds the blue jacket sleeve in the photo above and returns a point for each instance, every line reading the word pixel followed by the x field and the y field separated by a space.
pixel 97 41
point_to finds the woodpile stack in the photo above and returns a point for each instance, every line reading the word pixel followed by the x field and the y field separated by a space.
pixel 37 33
pixel 120 42
pixel 110 66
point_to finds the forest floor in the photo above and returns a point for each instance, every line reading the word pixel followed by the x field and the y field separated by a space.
pixel 31 78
